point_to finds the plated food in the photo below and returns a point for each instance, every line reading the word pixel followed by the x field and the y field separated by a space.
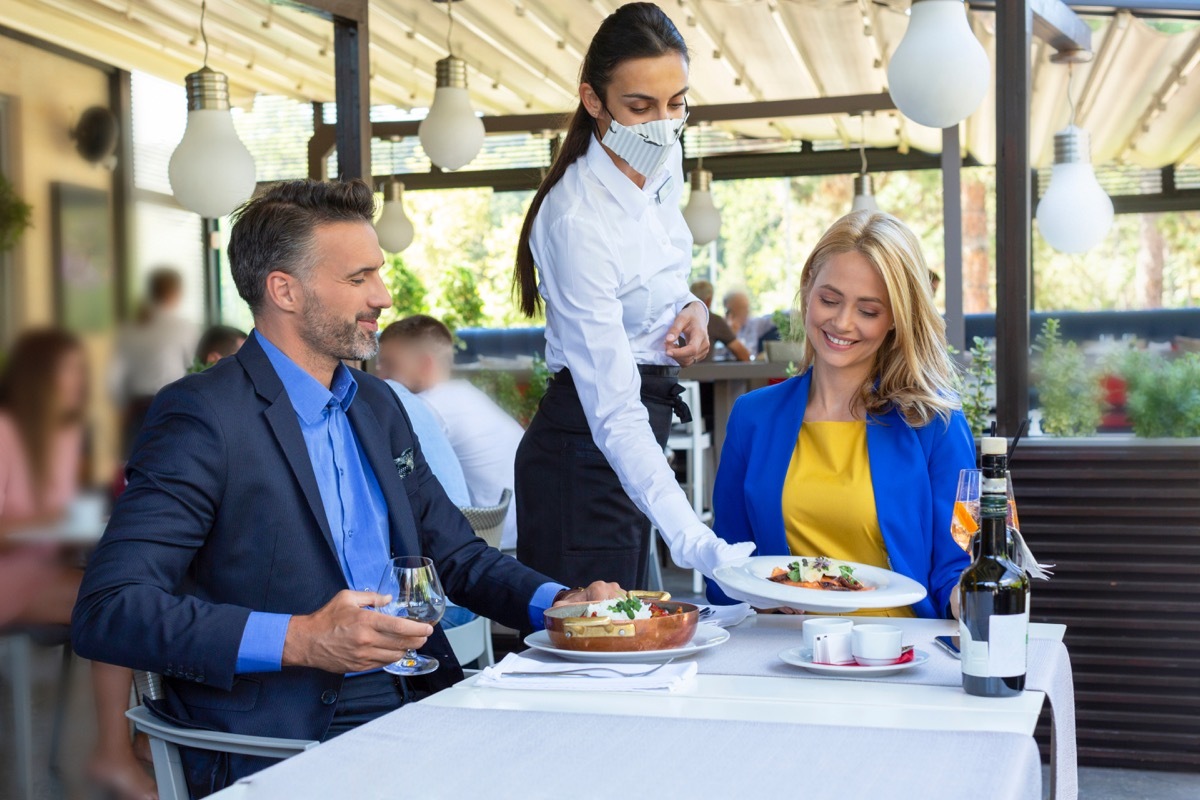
pixel 755 580
pixel 641 621
pixel 819 573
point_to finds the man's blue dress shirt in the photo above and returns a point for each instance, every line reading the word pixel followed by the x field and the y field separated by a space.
pixel 350 493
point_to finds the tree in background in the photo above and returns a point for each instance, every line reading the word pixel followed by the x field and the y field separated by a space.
pixel 409 295
pixel 459 304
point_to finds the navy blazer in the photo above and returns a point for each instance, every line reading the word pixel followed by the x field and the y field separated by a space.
pixel 914 474
pixel 222 516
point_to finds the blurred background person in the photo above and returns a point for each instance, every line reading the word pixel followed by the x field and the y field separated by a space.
pixel 718 328
pixel 393 355
pixel 155 350
pixel 43 409
pixel 216 343
pixel 420 355
pixel 750 331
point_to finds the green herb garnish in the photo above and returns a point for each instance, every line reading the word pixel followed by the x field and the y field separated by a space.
pixel 848 573
pixel 628 606
pixel 794 572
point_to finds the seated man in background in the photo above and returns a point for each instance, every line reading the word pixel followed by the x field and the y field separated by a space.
pixel 750 330
pixel 718 328
pixel 419 353
pixel 216 343
pixel 434 443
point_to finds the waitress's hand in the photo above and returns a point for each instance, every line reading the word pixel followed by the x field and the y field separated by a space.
pixel 692 323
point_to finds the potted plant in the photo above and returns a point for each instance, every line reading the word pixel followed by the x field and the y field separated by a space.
pixel 15 215
pixel 976 389
pixel 790 346
pixel 1068 389
pixel 1163 397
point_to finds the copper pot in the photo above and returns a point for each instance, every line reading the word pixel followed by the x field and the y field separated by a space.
pixel 570 631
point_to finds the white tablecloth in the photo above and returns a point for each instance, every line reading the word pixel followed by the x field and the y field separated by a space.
pixel 753 650
pixel 428 752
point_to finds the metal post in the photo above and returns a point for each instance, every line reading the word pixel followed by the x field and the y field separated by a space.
pixel 212 271
pixel 353 93
pixel 120 92
pixel 1014 32
pixel 952 216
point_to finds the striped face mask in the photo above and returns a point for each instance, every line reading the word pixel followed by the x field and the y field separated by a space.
pixel 644 146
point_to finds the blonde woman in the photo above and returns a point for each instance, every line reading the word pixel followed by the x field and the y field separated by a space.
pixel 856 458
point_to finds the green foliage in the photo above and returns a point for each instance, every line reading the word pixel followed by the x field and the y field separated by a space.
pixel 460 304
pixel 520 401
pixel 1163 397
pixel 409 295
pixel 15 215
pixel 978 381
pixel 1068 388
pixel 789 326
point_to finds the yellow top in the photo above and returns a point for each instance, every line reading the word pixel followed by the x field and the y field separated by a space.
pixel 829 501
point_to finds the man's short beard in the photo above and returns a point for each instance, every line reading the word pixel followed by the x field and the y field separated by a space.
pixel 330 336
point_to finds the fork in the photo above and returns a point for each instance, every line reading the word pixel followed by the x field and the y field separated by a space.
pixel 586 671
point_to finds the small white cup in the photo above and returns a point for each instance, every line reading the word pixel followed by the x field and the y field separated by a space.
pixel 818 625
pixel 86 511
pixel 876 645
pixel 833 648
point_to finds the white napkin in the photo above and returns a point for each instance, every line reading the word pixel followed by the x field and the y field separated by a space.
pixel 727 616
pixel 550 673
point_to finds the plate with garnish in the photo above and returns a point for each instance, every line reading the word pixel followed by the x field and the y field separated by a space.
pixel 817 583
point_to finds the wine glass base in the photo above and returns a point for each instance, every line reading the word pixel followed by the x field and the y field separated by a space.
pixel 413 665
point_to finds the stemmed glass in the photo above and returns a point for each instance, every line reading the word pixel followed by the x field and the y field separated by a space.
pixel 412 583
pixel 964 522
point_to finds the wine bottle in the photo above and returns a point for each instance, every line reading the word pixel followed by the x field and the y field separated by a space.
pixel 993 593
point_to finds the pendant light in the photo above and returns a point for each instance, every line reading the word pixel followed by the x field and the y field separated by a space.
pixel 939 72
pixel 451 135
pixel 864 187
pixel 1075 214
pixel 394 228
pixel 211 171
pixel 700 213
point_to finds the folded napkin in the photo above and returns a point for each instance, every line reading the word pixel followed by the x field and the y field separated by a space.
pixel 726 616
pixel 536 672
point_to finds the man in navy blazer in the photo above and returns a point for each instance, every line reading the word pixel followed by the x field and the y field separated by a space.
pixel 265 497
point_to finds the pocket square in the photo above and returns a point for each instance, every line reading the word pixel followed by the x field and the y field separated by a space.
pixel 404 464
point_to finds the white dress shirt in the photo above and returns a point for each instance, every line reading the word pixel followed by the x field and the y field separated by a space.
pixel 485 439
pixel 151 354
pixel 613 264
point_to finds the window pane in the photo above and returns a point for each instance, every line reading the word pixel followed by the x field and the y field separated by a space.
pixel 170 237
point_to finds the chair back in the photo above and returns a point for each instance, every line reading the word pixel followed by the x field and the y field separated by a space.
pixel 488 521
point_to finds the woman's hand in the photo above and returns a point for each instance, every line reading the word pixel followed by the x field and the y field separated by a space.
pixel 692 324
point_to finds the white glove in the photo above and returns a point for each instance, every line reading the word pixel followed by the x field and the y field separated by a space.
pixel 697 547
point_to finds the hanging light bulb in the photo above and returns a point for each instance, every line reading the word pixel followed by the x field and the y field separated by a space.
pixel 211 171
pixel 451 134
pixel 864 187
pixel 394 228
pixel 1074 214
pixel 701 214
pixel 939 72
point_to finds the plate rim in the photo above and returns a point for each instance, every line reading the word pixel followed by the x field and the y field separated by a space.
pixel 548 646
pixel 816 599
pixel 919 657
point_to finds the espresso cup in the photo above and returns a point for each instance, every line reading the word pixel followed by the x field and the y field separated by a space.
pixel 817 625
pixel 86 511
pixel 876 645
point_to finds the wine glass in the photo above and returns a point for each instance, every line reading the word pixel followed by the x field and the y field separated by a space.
pixel 412 583
pixel 964 522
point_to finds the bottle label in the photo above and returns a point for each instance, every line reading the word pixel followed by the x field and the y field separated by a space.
pixel 1003 654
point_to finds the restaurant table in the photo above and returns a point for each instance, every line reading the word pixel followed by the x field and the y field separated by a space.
pixel 738 734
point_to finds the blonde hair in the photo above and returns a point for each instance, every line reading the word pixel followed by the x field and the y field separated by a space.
pixel 915 373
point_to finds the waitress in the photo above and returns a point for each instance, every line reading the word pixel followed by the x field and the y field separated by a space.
pixel 605 247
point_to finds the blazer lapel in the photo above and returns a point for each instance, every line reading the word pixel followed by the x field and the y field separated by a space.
pixel 281 416
pixel 374 441
pixel 892 451
pixel 779 442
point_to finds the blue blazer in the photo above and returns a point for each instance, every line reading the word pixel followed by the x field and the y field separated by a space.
pixel 222 515
pixel 914 473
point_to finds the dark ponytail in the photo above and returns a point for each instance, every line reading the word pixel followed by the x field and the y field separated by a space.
pixel 635 30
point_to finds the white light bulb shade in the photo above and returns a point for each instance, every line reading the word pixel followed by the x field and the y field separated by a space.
pixel 702 217
pixel 864 202
pixel 1074 214
pixel 451 135
pixel 939 72
pixel 211 171
pixel 394 228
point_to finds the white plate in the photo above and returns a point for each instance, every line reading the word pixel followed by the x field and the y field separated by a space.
pixel 749 578
pixel 706 636
pixel 802 657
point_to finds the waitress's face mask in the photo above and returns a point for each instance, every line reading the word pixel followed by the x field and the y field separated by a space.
pixel 645 146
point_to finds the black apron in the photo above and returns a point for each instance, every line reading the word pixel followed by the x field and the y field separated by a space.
pixel 575 522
